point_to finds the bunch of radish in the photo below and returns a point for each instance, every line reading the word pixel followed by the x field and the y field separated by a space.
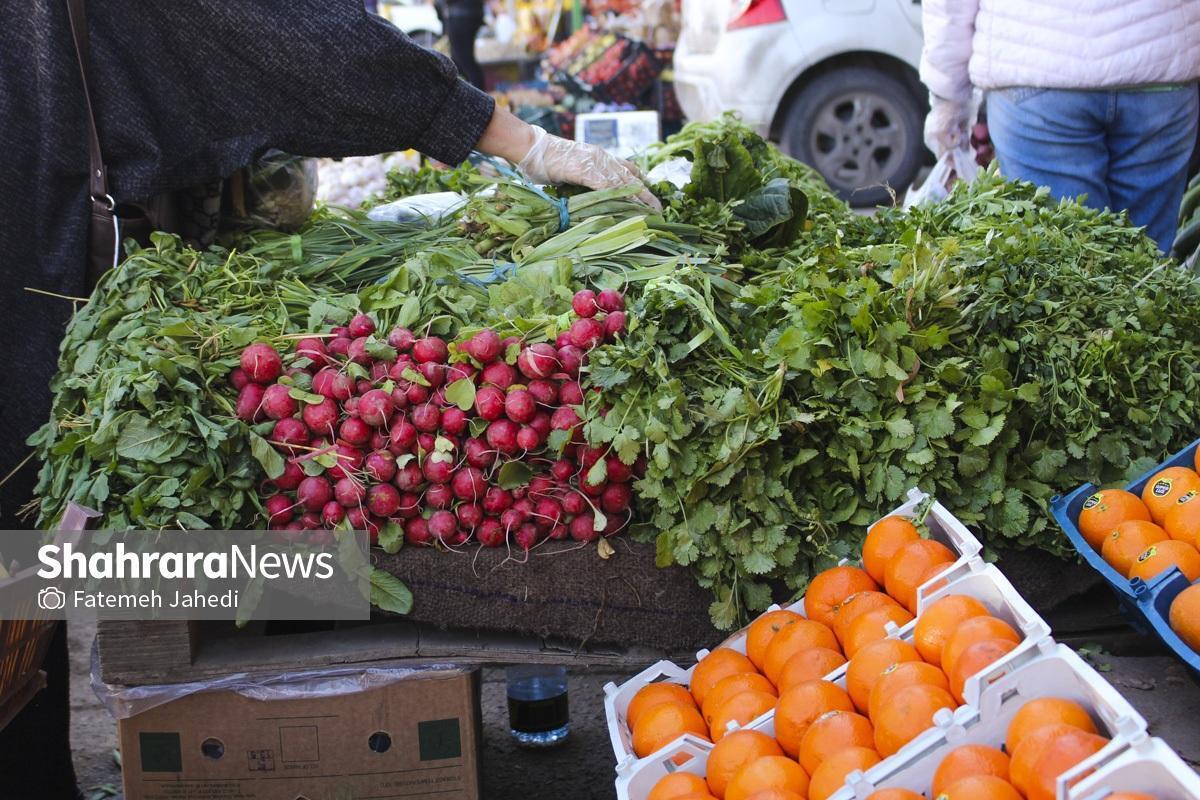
pixel 478 440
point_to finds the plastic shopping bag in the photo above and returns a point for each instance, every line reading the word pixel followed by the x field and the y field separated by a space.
pixel 952 166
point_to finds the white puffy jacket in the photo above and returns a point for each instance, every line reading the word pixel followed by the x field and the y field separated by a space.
pixel 1058 44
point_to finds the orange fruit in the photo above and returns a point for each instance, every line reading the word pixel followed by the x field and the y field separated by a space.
pixel 975 629
pixel 883 540
pixel 908 713
pixel 695 796
pixel 1166 487
pixel 979 787
pixel 665 723
pixel 775 794
pixel 720 663
pixel 909 566
pixel 741 709
pixel 1107 509
pixel 763 630
pixel 1045 711
pixel 828 589
pixel 968 761
pixel 800 705
pixel 871 626
pixel 940 619
pixel 870 662
pixel 855 605
pixel 831 732
pixel 809 665
pixel 732 753
pixel 974 659
pixel 768 772
pixel 930 580
pixel 1161 556
pixel 1061 753
pixel 897 676
pixel 1130 795
pixel 895 794
pixel 1197 459
pixel 654 695
pixel 677 785
pixel 831 774
pixel 1129 540
pixel 1182 522
pixel 733 685
pixel 800 635
pixel 1022 761
pixel 1184 616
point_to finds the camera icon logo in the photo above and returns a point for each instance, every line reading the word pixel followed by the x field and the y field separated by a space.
pixel 51 598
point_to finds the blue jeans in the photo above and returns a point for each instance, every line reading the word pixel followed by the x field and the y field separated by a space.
pixel 1126 150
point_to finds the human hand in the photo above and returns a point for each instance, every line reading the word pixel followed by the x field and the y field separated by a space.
pixel 553 159
pixel 947 126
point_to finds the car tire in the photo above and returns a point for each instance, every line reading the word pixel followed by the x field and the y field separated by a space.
pixel 861 128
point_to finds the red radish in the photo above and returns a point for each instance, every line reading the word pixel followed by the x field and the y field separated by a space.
pixel 610 300
pixel 564 419
pixel 528 438
pixel 511 519
pixel 238 378
pixel 363 386
pixel 402 437
pixel 409 478
pixel 396 371
pixel 490 533
pixel 354 431
pixel 410 505
pixel 489 403
pixel 547 513
pixel 443 525
pixel 616 498
pixel 278 508
pixel 563 469
pixel 544 392
pixel 261 363
pixel 322 538
pixel 291 477
pixel 400 338
pixel 538 361
pixel 468 484
pixel 399 398
pixel 417 394
pixel 438 471
pixel 463 370
pixel 510 341
pixel 613 524
pixel 498 374
pixel 562 340
pixel 527 536
pixel 469 515
pixel 586 333
pixel 570 394
pixel 356 518
pixel 497 500
pixel 559 532
pixel 519 406
pixel 484 346
pixel 278 403
pixel 639 467
pixel 434 372
pixel 541 424
pixel 574 503
pixel 454 421
pixel 479 454
pixel 349 492
pixel 588 456
pixel 525 506
pixel 314 350
pixel 320 417
pixel 340 330
pixel 583 528
pixel 426 418
pixel 339 346
pixel 593 490
pixel 383 499
pixel 618 470
pixel 540 485
pixel 328 382
pixel 380 371
pixel 584 303
pixel 379 440
pixel 294 525
pixel 361 325
pixel 380 465
pixel 425 442
pixel 300 377
pixel 439 495
pixel 290 432
pixel 333 513
pixel 310 521
pixel 314 492
pixel 502 436
pixel 357 351
pixel 350 406
pixel 249 403
pixel 614 323
pixel 439 399
pixel 349 459
pixel 416 532
pixel 431 348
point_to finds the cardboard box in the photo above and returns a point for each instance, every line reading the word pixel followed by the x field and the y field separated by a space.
pixel 622 133
pixel 417 737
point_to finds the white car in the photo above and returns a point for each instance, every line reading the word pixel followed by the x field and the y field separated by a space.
pixel 833 81
pixel 417 18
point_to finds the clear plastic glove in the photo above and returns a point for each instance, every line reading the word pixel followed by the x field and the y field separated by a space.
pixel 553 159
pixel 947 127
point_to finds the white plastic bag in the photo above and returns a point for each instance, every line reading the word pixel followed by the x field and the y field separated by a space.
pixel 954 165
pixel 419 209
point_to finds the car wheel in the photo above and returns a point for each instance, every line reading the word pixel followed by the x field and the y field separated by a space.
pixel 860 127
pixel 424 38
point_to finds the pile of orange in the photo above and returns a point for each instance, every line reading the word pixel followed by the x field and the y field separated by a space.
pixel 1141 537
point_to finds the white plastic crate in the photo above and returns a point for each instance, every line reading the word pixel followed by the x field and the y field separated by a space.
pixel 943 527
pixel 1057 672
pixel 1149 766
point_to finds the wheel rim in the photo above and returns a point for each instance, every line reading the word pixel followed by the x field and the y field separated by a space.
pixel 857 140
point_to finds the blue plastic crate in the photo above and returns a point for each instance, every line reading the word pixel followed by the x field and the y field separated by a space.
pixel 1154 603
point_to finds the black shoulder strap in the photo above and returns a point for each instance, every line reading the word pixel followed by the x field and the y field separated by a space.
pixel 98 175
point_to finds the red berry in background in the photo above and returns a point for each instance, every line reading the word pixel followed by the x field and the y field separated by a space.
pixel 378 441
pixel 617 470
pixel 584 303
pixel 564 419
pixel 610 300
pixel 544 392
pixel 261 363
pixel 381 371
pixel 563 469
pixel 511 519
pixel 616 498
pixel 361 325
pixel 541 424
pixel 363 386
pixel 356 518
pixel 431 348
pixel 401 338
pixel 574 503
